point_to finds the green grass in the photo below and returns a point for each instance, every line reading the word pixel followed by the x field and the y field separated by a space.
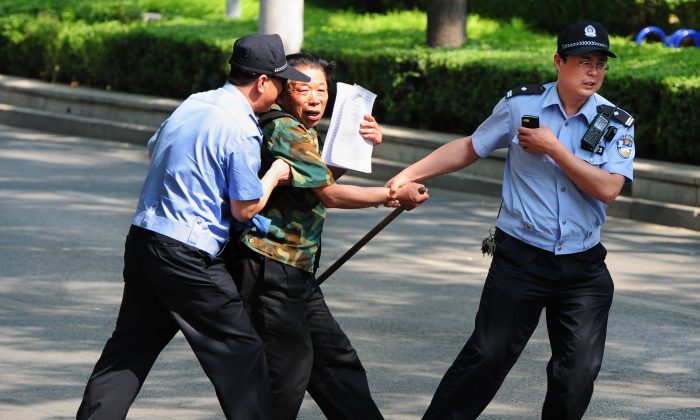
pixel 401 32
pixel 486 40
pixel 105 43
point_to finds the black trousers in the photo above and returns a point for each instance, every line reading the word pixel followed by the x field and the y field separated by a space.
pixel 305 347
pixel 170 286
pixel 576 291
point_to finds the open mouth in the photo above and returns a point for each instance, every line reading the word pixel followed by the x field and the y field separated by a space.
pixel 313 115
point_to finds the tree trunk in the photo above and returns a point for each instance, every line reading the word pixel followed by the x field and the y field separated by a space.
pixel 447 23
pixel 286 18
pixel 233 9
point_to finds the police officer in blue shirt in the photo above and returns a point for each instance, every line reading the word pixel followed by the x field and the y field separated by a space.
pixel 203 175
pixel 557 183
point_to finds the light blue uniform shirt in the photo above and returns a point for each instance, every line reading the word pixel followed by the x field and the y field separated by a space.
pixel 205 154
pixel 541 205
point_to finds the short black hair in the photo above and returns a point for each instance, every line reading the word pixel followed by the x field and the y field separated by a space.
pixel 240 77
pixel 307 59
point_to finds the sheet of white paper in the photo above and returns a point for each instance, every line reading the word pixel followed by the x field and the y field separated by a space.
pixel 344 146
pixel 342 92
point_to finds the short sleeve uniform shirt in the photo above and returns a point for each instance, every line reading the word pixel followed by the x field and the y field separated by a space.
pixel 204 155
pixel 541 205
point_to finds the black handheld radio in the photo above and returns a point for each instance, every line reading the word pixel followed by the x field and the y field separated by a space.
pixel 595 131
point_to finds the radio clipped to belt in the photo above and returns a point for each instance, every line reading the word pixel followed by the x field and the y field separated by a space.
pixel 600 128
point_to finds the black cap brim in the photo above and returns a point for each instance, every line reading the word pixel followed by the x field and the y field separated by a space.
pixel 587 49
pixel 291 73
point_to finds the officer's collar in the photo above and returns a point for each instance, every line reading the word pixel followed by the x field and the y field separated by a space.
pixel 552 97
pixel 228 87
pixel 588 110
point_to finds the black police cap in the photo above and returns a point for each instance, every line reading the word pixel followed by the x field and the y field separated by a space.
pixel 584 36
pixel 264 54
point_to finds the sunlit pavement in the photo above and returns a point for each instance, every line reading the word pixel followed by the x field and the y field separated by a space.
pixel 407 300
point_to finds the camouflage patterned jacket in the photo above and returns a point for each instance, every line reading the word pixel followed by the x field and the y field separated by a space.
pixel 295 212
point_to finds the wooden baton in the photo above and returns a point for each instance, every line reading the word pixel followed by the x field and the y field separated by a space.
pixel 362 242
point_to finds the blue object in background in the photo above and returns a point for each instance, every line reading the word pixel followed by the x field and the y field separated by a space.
pixel 680 35
pixel 674 40
pixel 651 30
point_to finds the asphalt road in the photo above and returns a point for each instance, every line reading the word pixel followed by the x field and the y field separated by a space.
pixel 407 300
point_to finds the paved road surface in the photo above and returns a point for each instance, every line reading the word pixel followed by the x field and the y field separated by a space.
pixel 407 300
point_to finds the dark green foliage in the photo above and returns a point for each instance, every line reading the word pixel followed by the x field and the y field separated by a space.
pixel 106 10
pixel 675 130
pixel 421 92
pixel 111 10
pixel 369 6
pixel 623 17
pixel 688 14
pixel 442 90
pixel 143 62
pixel 89 11
pixel 29 45
pixel 173 60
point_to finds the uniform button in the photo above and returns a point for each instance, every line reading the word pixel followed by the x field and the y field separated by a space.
pixel 563 222
pixel 199 221
pixel 529 226
pixel 566 123
pixel 559 249
pixel 562 189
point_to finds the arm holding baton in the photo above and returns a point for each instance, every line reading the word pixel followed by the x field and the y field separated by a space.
pixel 363 241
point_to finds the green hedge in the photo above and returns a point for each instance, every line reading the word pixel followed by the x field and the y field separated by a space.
pixel 173 60
pixel 431 93
pixel 113 10
pixel 624 17
pixel 443 90
pixel 454 90
pixel 369 6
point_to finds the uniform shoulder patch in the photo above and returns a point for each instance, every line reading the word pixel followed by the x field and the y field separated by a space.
pixel 625 146
pixel 619 115
pixel 525 90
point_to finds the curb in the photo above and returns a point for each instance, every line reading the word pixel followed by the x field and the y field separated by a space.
pixel 663 193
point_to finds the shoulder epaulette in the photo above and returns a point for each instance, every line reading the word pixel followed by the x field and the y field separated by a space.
pixel 619 115
pixel 525 90
pixel 272 115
